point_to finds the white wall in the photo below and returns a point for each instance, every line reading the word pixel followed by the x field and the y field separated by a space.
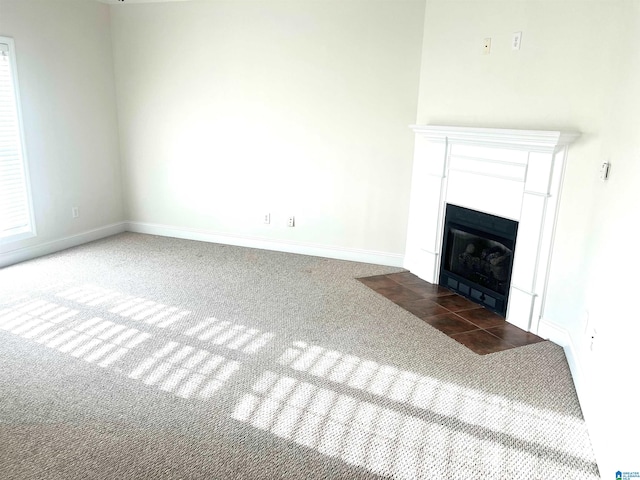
pixel 65 70
pixel 229 110
pixel 612 284
pixel 577 70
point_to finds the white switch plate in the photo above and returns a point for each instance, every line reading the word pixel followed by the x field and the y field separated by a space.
pixel 516 40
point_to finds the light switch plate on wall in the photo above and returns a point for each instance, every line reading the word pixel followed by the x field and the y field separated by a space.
pixel 516 40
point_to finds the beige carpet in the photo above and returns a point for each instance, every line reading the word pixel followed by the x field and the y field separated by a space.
pixel 146 357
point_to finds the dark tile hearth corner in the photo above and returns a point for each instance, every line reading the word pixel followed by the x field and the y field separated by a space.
pixel 475 327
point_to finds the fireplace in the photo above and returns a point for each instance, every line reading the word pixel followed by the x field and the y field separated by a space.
pixel 511 174
pixel 477 257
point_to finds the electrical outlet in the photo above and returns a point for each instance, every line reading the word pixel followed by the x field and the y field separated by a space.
pixel 291 222
pixel 75 212
pixel 516 40
pixel 267 218
pixel 486 46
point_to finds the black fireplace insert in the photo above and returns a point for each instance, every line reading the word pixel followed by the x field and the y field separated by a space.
pixel 478 256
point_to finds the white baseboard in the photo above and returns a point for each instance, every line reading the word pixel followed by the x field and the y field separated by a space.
pixel 559 335
pixel 339 253
pixel 28 253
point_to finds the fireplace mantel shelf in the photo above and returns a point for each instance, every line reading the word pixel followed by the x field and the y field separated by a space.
pixel 515 174
pixel 529 140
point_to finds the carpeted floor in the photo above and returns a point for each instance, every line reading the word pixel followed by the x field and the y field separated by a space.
pixel 147 357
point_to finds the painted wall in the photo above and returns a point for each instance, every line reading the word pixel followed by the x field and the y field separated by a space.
pixel 575 71
pixel 612 285
pixel 230 110
pixel 65 70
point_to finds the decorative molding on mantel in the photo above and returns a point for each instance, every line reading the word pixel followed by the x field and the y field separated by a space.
pixel 546 141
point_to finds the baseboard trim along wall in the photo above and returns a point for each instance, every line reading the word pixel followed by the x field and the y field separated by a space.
pixel 560 336
pixel 28 253
pixel 338 253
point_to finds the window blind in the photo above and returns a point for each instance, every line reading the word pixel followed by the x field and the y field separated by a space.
pixel 15 211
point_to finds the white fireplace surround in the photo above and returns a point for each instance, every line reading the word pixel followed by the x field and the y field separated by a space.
pixel 516 174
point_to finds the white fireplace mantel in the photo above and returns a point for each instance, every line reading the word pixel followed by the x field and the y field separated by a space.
pixel 516 174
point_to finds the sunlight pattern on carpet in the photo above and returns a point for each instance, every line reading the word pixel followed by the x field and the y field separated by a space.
pixel 185 370
pixel 262 365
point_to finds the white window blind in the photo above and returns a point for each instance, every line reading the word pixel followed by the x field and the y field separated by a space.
pixel 15 203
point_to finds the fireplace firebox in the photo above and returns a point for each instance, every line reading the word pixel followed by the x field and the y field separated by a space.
pixel 477 256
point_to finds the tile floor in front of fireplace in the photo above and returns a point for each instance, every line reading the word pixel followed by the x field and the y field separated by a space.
pixel 475 327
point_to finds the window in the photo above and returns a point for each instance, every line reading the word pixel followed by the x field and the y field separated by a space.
pixel 16 216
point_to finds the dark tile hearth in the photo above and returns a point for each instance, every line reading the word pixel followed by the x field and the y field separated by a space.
pixel 423 308
pixel 475 327
pixel 482 342
pixel 456 302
